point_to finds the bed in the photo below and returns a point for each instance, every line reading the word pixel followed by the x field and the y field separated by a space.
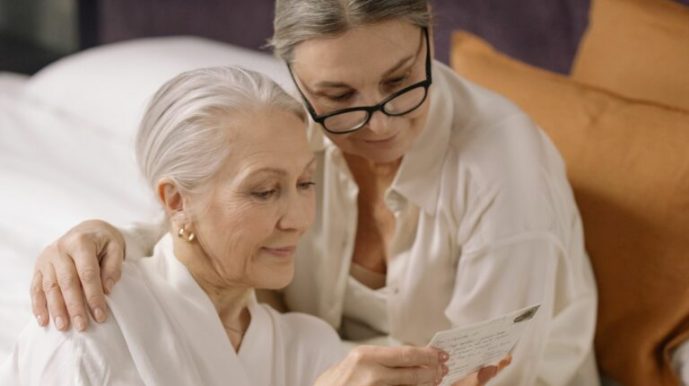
pixel 66 133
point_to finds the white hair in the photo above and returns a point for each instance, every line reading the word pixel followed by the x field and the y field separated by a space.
pixel 183 134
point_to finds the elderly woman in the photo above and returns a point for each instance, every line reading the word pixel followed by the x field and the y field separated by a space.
pixel 440 203
pixel 226 153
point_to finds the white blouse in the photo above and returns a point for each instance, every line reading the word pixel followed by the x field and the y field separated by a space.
pixel 497 229
pixel 166 331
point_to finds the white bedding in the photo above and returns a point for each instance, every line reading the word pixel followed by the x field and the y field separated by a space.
pixel 55 171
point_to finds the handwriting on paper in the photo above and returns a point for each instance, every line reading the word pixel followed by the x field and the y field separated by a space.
pixel 482 344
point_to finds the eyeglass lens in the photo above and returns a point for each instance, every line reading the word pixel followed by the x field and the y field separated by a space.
pixel 399 105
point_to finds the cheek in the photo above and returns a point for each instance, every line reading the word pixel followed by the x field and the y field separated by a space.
pixel 235 230
pixel 417 120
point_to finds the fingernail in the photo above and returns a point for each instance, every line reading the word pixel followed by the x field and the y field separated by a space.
pixel 60 323
pixel 445 370
pixel 99 314
pixel 444 356
pixel 39 319
pixel 108 285
pixel 79 323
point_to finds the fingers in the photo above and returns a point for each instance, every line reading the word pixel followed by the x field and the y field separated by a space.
pixel 69 278
pixel 487 373
pixel 505 362
pixel 56 305
pixel 85 257
pixel 402 365
pixel 414 376
pixel 38 302
pixel 111 265
pixel 408 356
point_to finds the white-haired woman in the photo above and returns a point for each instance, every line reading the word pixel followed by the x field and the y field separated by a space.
pixel 226 153
pixel 440 203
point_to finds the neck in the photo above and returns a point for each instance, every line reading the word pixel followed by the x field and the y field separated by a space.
pixel 230 302
pixel 372 174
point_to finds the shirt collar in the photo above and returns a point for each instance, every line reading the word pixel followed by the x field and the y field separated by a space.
pixel 418 178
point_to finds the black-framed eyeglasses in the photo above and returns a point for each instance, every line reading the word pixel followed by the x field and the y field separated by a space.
pixel 398 103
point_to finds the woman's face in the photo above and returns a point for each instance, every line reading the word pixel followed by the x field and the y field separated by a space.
pixel 261 202
pixel 361 68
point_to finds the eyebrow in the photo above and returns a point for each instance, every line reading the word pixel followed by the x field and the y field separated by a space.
pixel 277 171
pixel 268 170
pixel 397 66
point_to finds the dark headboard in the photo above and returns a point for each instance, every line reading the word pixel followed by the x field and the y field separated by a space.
pixel 541 32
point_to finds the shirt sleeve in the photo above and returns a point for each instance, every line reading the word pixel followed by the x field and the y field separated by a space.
pixel 44 359
pixel 43 356
pixel 527 269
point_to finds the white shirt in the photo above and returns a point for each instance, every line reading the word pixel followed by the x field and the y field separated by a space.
pixel 497 230
pixel 165 331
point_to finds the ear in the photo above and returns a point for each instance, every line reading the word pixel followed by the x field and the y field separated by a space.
pixel 171 197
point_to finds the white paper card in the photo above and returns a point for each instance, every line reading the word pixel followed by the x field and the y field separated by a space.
pixel 481 344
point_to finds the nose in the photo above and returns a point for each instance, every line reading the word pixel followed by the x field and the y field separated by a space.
pixel 379 123
pixel 298 213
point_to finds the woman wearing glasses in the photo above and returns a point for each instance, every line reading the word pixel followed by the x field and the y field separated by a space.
pixel 439 203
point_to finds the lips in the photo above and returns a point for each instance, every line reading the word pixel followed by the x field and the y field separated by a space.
pixel 382 141
pixel 286 251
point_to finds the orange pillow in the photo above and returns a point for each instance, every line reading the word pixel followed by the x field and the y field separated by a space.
pixel 628 163
pixel 637 48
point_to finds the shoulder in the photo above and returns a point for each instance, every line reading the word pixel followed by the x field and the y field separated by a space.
pixel 485 126
pixel 508 168
pixel 46 356
pixel 471 104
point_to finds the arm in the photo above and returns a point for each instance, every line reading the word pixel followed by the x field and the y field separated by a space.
pixel 84 264
pixel 372 365
pixel 524 270
pixel 46 357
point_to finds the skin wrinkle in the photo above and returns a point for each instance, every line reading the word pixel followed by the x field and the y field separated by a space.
pixel 228 259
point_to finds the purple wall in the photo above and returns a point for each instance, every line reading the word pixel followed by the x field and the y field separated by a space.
pixel 545 33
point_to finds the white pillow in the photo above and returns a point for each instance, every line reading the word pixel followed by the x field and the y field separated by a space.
pixel 109 86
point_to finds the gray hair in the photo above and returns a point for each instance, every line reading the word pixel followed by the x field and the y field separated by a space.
pixel 300 20
pixel 183 134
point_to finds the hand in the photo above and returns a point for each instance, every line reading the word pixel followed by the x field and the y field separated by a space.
pixel 68 272
pixel 484 374
pixel 373 365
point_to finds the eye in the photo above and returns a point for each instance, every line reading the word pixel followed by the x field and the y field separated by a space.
pixel 265 194
pixel 341 97
pixel 396 81
pixel 306 185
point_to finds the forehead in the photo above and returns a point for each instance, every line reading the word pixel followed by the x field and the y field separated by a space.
pixel 266 137
pixel 360 52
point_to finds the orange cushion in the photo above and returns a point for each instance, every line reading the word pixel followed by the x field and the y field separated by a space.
pixel 628 163
pixel 637 48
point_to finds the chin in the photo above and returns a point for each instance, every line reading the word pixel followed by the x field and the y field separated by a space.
pixel 383 156
pixel 277 279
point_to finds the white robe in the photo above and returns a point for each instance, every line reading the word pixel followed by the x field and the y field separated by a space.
pixel 165 331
